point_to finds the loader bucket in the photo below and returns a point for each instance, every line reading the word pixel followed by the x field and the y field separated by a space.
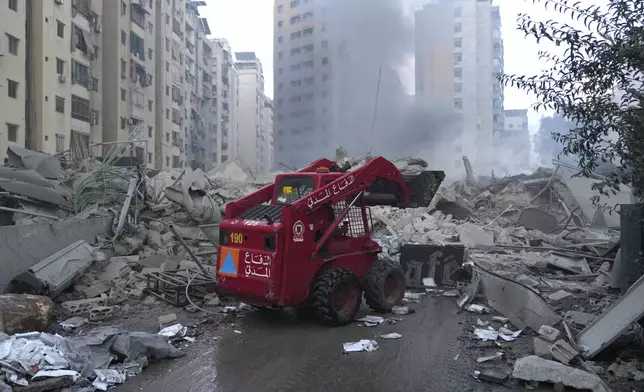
pixel 422 187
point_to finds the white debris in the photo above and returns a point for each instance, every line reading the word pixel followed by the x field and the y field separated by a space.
pixel 392 335
pixel 486 334
pixel 372 321
pixel 237 331
pixel 478 309
pixel 362 345
pixel 509 335
pixel 173 330
pixel 73 322
pixel 497 355
pixel 400 310
pixel 108 377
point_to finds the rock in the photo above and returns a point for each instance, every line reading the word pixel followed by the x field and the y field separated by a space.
pixel 115 270
pixel 534 368
pixel 578 319
pixel 494 376
pixel 542 348
pixel 154 240
pixel 25 313
pixel 149 270
pixel 214 302
pixel 167 320
pixel 167 238
pixel 134 244
pixel 100 313
pixel 149 301
pixel 120 250
pixel 169 265
pixel 549 333
pixel 562 299
pixel 638 376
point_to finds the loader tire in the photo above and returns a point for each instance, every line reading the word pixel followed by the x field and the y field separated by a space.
pixel 384 286
pixel 336 297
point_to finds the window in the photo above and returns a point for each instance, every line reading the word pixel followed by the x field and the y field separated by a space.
pixel 123 95
pixel 60 66
pixel 138 17
pixel 149 157
pixel 80 108
pixel 149 131
pixel 123 8
pixel 12 88
pixel 80 74
pixel 296 35
pixel 13 5
pixel 295 19
pixel 457 12
pixel 167 45
pixel 60 142
pixel 307 15
pixel 137 46
pixel 280 71
pixel 150 28
pixel 60 104
pixel 149 54
pixel 458 87
pixel 167 91
pixel 325 44
pixel 295 3
pixel 167 114
pixel 307 48
pixel 295 51
pixel 458 73
pixel 458 27
pixel 95 84
pixel 280 55
pixel 307 32
pixel 167 161
pixel 280 40
pixel 280 23
pixel 290 189
pixel 458 57
pixel 280 8
pixel 60 28
pixel 325 60
pixel 12 132
pixel 150 105
pixel 123 38
pixel 458 103
pixel 13 44
pixel 123 122
pixel 457 43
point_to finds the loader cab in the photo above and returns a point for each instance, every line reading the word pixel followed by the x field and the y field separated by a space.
pixel 291 187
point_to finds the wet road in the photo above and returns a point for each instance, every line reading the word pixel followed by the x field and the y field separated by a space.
pixel 286 354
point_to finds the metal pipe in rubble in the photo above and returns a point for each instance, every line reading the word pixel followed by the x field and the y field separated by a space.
pixel 190 252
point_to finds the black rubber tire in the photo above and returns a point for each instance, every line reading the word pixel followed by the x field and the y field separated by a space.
pixel 323 297
pixel 374 285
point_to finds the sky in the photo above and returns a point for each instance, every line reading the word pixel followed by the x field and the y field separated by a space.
pixel 248 25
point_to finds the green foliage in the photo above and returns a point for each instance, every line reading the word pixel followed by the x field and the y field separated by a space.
pixel 341 153
pixel 596 84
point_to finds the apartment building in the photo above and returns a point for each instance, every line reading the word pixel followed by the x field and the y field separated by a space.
pixel 459 52
pixel 13 86
pixel 513 146
pixel 266 137
pixel 223 140
pixel 65 78
pixel 303 96
pixel 200 118
pixel 251 105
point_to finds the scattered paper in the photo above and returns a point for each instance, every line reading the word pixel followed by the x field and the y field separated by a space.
pixel 414 296
pixel 173 330
pixel 478 309
pixel 392 335
pixel 508 335
pixel 486 334
pixel 362 345
pixel 372 320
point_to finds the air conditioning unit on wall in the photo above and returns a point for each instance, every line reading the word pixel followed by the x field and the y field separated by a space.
pixel 62 78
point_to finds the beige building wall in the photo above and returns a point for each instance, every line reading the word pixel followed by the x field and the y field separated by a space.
pixel 13 86
pixel 224 139
pixel 64 109
pixel 251 105
pixel 128 70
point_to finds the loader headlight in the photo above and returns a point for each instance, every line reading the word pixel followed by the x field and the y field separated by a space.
pixel 223 237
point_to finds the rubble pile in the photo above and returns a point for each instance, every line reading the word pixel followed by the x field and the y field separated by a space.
pixel 537 265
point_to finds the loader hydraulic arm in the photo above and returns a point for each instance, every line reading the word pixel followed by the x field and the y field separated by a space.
pixel 264 195
pixel 376 173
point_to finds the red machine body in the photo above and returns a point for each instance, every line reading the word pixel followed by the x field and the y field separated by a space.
pixel 275 242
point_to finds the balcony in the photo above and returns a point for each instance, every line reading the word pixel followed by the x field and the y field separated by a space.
pixel 143 5
pixel 176 140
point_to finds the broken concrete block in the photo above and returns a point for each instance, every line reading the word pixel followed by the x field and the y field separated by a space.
pixel 169 265
pixel 578 320
pixel 154 239
pixel 136 294
pixel 149 270
pixel 126 259
pixel 471 234
pixel 542 348
pixel 549 333
pixel 167 320
pixel 156 226
pixel 562 299
pixel 101 313
pixel 25 313
pixel 96 289
pixel 134 244
pixel 526 280
pixel 563 352
pixel 83 306
pixel 115 270
pixel 533 368
pixel 167 238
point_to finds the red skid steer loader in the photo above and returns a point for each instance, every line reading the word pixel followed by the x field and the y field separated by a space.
pixel 305 240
